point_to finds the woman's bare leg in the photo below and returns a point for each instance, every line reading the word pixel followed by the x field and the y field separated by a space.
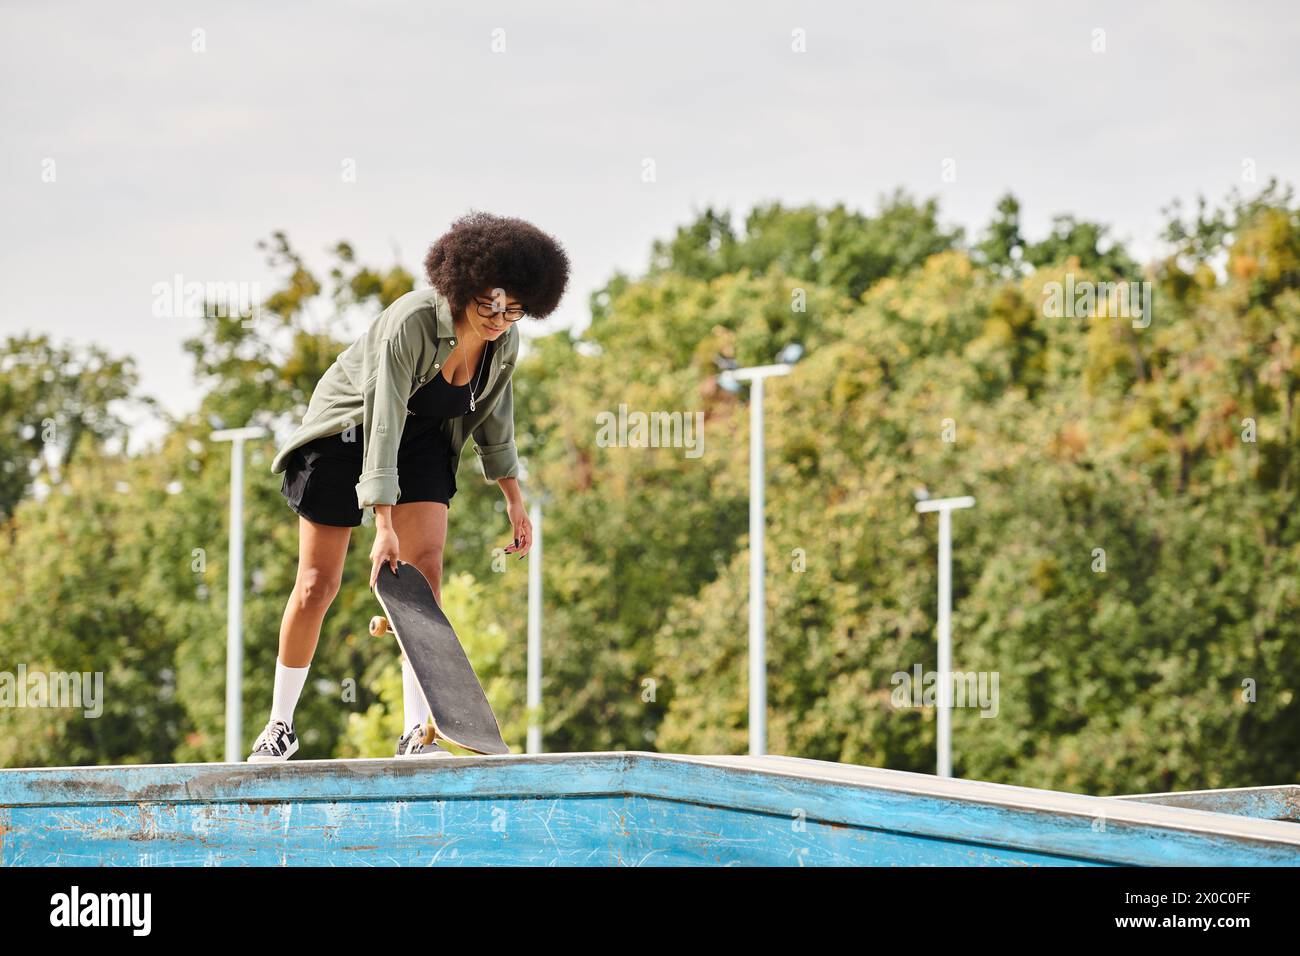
pixel 321 552
pixel 421 528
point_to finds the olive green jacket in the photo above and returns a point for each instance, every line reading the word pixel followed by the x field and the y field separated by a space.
pixel 371 381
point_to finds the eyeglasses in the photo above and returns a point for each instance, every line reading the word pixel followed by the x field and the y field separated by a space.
pixel 489 309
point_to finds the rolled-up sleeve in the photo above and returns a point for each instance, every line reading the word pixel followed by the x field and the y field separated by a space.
pixel 494 439
pixel 385 413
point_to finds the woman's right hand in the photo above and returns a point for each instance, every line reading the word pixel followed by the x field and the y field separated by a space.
pixel 384 551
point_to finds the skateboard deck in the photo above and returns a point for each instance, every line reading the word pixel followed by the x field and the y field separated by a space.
pixel 461 712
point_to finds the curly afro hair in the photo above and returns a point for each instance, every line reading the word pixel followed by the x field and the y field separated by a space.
pixel 483 251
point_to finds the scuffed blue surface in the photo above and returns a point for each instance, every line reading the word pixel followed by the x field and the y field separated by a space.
pixel 621 809
pixel 582 831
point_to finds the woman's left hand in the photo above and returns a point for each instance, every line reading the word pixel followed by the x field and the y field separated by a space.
pixel 523 528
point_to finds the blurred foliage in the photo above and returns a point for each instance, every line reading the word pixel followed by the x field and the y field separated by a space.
pixel 1167 452
pixel 53 402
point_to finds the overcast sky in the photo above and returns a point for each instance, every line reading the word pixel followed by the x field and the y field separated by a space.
pixel 167 160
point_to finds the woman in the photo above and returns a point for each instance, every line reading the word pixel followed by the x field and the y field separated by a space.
pixel 384 430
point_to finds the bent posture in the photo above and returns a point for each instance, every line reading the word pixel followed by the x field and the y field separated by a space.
pixel 384 430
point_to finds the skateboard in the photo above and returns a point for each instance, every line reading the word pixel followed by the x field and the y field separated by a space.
pixel 461 712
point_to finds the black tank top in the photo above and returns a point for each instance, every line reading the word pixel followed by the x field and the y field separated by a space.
pixel 440 399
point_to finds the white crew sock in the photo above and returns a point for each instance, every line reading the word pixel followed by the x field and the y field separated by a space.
pixel 414 709
pixel 289 682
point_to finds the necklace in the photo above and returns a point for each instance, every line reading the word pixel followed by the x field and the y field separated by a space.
pixel 478 375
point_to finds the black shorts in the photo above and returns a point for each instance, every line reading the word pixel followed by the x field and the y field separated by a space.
pixel 320 481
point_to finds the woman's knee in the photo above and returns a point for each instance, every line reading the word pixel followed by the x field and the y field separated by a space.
pixel 315 589
pixel 429 561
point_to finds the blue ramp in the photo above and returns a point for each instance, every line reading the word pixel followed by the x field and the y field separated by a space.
pixel 596 809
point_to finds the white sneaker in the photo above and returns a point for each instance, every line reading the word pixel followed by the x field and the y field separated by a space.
pixel 276 743
pixel 412 745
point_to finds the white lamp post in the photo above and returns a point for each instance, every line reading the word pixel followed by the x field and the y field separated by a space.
pixel 945 507
pixel 235 590
pixel 534 698
pixel 757 597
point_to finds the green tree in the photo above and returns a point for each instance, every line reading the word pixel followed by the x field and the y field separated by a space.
pixel 55 402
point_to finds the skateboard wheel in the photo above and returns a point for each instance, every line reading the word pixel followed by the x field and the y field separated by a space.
pixel 378 626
